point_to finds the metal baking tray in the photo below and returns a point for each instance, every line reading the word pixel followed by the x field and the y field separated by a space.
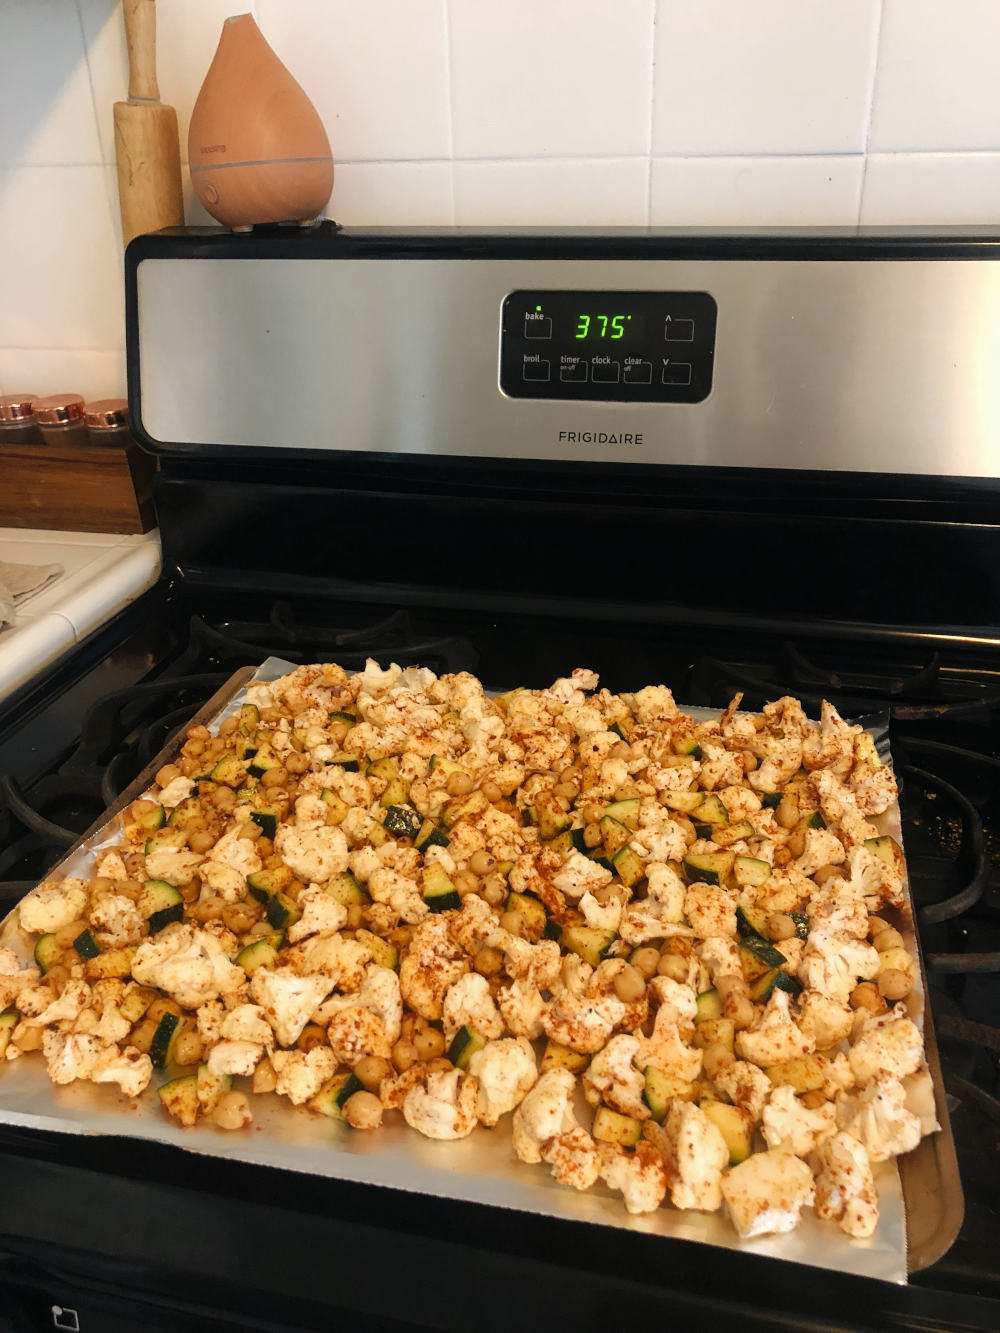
pixel 921 1203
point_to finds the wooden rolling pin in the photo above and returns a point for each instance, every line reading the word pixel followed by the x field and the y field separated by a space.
pixel 147 146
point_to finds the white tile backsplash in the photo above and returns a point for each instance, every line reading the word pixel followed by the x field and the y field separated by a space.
pixel 376 72
pixel 905 188
pixel 46 109
pixel 601 112
pixel 772 76
pixel 604 192
pixel 563 78
pixel 755 191
pixel 938 84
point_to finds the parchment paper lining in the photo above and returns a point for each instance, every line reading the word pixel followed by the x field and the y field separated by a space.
pixel 479 1169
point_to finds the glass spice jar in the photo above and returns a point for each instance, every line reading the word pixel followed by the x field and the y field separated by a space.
pixel 17 420
pixel 60 419
pixel 107 422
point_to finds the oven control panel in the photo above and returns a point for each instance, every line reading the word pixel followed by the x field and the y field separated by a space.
pixel 589 346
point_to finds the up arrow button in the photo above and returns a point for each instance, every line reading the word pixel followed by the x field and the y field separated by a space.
pixel 678 330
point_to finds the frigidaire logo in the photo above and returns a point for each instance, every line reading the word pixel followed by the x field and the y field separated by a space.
pixel 214 148
pixel 599 437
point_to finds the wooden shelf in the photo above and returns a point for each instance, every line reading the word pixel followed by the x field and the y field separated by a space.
pixel 76 488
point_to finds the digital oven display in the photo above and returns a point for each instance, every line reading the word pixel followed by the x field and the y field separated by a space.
pixel 644 347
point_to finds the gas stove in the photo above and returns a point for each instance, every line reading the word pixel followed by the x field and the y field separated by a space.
pixel 455 529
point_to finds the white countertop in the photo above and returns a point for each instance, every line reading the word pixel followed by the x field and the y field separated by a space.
pixel 102 573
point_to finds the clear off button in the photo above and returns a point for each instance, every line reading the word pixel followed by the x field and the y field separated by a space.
pixel 638 372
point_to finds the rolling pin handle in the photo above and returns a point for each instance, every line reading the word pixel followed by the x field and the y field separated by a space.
pixel 140 35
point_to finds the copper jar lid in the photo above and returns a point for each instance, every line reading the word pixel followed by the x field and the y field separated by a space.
pixel 107 414
pixel 59 409
pixel 18 406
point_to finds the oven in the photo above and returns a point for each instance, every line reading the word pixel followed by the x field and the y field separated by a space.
pixel 763 462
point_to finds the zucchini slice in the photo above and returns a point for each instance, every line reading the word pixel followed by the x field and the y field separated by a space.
pixel 266 818
pixel 815 820
pixel 531 912
pixel 383 953
pixel 9 1020
pixel 161 1047
pixel 715 1032
pixel 47 953
pixel 262 953
pixel 281 912
pixel 152 819
pixel 629 867
pixel 590 942
pixel 330 1099
pixel 264 759
pixel 770 800
pixel 159 904
pixel 113 964
pixel 562 1057
pixel 350 718
pixel 708 1006
pixel 553 930
pixel 735 1126
pixel 210 1088
pixel 465 1043
pixel 626 812
pixel 179 1098
pixel 346 889
pixel 402 821
pixel 230 771
pixel 336 806
pixel 688 744
pixel 801 925
pixel 136 1001
pixel 751 921
pixel 888 850
pixel 440 894
pixel 763 950
pixel 775 979
pixel 86 945
pixel 185 813
pixel 615 835
pixel 430 836
pixel 348 762
pixel 708 867
pixel 550 817
pixel 166 840
pixel 710 811
pixel 684 802
pixel 249 719
pixel 612 1127
pixel 750 871
pixel 263 884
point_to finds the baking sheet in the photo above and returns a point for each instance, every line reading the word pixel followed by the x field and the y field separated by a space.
pixel 479 1169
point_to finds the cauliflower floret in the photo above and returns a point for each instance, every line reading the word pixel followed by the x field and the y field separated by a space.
pixel 469 1003
pixel 523 1009
pixel 574 1158
pixel 667 1050
pixel 174 867
pixel 719 767
pixel 209 1019
pixel 710 910
pixel 116 921
pixel 826 1020
pixel 652 705
pixel 581 1023
pixel 322 914
pixel 67 1006
pixel 342 961
pixel 877 1117
pixel 660 912
pixel 546 1111
pixel 176 791
pixel 51 906
pixel 222 881
pixel 721 955
pixel 833 964
pixel 239 852
pixel 919 1090
pixel 354 1033
pixel 787 1123
pixel 301 1074
pixel 640 1175
pixel 313 853
pixel 110 865
pixel 402 894
pixel 602 916
pixel 845 1189
pixel 288 1000
pixel 780 760
pixel 579 875
pixel 675 996
pixel 837 908
pixel 188 963
pixel 444 1107
pixel 613 1077
pixel 890 1047
pixel 380 993
pixel 774 1036
pixel 506 1072
pixel 876 880
pixel 235 1057
pixel 766 1193
pixel 247 1023
pixel 70 1055
pixel 431 965
pixel 745 1085
pixel 823 848
pixel 130 1069
pixel 695 1155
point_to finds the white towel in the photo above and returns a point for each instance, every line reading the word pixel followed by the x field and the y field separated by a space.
pixel 18 582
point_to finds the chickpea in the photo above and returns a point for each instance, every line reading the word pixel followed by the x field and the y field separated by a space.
pixel 887 939
pixel 514 922
pixel 494 890
pixel 866 996
pixel 465 881
pixel 188 1049
pixel 492 792
pixel 264 1077
pixel 297 763
pixel 404 1054
pixel 167 774
pixel 428 1043
pixel 225 799
pixel 207 909
pixel 481 863
pixel 592 836
pixel 194 749
pixel 251 832
pixel 782 856
pixel 749 761
pixel 796 844
pixel 630 984
pixel 827 872
pixel 645 961
pixel 135 865
pixel 273 861
pixel 787 813
pixel 717 1059
pixel 274 777
pixel 163 1006
pixel 271 713
pixel 620 751
pixel 592 813
pixel 65 935
pixel 189 890
pixel 740 1009
pixel 232 1111
pixel 201 840
pixel 894 984
pixel 458 784
pixel 672 965
pixel 30 1039
pixel 780 926
pixel 370 1070
pixel 355 916
pixel 363 1111
pixel 565 790
pixel 265 847
pixel 626 791
pixel 142 1036
pixel 57 977
pixel 143 807
pixel 488 962
pixel 227 726
pixel 311 1035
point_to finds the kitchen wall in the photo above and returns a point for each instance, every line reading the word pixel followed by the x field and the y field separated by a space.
pixel 692 112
